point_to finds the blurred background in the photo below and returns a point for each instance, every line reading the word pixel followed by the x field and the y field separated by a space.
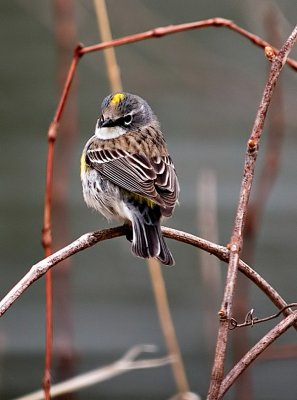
pixel 205 87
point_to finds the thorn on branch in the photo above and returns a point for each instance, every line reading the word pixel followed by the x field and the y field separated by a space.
pixel 233 247
pixel 270 53
pixel 52 132
pixel 222 314
pixel 252 146
pixel 159 32
pixel 250 320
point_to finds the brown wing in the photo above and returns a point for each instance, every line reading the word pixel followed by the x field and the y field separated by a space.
pixel 153 178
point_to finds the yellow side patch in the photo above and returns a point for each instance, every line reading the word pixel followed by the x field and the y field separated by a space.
pixel 117 98
pixel 83 164
pixel 143 199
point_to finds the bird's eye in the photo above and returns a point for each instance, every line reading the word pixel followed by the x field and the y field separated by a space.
pixel 127 119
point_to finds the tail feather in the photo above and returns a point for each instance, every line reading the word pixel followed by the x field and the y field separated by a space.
pixel 148 240
pixel 165 255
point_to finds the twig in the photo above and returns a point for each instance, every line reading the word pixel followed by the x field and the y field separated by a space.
pixel 65 39
pixel 124 364
pixel 255 351
pixel 250 320
pixel 90 239
pixel 236 238
pixel 47 219
pixel 261 193
pixel 168 30
pixel 272 155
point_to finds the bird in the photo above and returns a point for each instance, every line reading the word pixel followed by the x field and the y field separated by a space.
pixel 128 175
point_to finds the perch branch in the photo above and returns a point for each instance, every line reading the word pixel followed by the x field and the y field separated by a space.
pixel 237 235
pixel 90 239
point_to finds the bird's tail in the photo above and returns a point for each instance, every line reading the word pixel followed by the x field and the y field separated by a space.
pixel 148 240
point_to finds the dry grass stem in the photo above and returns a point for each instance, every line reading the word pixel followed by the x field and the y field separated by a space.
pixel 168 327
pixel 153 264
pixel 112 67
pixel 126 363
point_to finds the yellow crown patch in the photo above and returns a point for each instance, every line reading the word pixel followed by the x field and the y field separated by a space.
pixel 117 98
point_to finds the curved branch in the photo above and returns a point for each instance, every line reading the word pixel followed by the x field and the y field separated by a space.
pixel 168 30
pixel 90 239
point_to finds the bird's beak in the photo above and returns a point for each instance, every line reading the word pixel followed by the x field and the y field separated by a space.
pixel 107 123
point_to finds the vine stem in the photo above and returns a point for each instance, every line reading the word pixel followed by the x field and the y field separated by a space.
pixel 236 241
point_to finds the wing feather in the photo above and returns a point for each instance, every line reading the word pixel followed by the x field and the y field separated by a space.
pixel 154 178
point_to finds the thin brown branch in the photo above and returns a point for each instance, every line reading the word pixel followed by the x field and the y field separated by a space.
pixel 52 135
pixel 90 239
pixel 47 218
pixel 272 156
pixel 65 39
pixel 258 201
pixel 168 30
pixel 237 234
pixel 255 351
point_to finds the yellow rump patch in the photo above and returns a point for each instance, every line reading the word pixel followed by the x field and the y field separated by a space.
pixel 143 199
pixel 83 164
pixel 117 98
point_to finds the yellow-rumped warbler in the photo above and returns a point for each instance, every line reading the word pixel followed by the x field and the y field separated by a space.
pixel 127 173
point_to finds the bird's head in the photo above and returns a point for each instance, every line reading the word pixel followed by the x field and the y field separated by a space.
pixel 122 113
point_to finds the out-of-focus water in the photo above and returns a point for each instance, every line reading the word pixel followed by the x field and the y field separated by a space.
pixel 205 86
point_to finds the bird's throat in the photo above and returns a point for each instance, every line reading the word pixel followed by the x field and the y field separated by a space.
pixel 111 132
